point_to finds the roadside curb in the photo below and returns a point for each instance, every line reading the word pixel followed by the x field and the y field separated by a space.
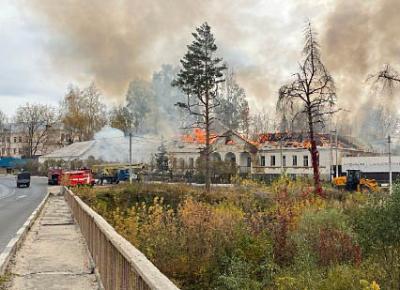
pixel 19 237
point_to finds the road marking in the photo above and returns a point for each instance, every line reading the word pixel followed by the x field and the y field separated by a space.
pixel 21 196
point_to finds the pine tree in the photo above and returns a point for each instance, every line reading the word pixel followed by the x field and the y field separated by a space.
pixel 199 79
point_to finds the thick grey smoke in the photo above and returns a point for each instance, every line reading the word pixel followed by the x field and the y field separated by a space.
pixel 117 41
pixel 114 42
pixel 359 37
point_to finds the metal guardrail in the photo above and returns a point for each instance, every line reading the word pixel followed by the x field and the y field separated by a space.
pixel 120 265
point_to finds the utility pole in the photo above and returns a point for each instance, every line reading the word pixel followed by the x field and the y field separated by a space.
pixel 281 151
pixel 330 157
pixel 390 167
pixel 337 165
pixel 130 157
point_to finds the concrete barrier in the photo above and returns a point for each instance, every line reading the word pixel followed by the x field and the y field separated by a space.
pixel 119 264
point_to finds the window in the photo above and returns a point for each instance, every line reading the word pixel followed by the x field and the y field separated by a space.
pixel 191 163
pixel 20 139
pixel 15 149
pixel 262 161
pixel 8 139
pixel 294 160
pixel 15 139
pixel 284 160
pixel 272 160
pixel 305 161
pixel 248 161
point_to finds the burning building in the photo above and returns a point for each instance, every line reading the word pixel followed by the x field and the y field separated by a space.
pixel 269 157
pixel 289 153
pixel 185 152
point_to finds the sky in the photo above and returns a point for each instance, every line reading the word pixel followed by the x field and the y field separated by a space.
pixel 48 45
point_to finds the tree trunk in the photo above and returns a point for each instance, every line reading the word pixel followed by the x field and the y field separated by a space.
pixel 207 149
pixel 314 157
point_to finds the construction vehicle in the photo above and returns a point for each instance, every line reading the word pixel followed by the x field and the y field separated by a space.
pixel 115 173
pixel 354 182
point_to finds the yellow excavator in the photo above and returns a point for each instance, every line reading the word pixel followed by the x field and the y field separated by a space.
pixel 354 182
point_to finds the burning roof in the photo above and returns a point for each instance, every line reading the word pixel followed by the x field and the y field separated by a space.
pixel 301 140
pixel 197 136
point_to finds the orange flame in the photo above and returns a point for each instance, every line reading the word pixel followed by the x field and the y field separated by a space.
pixel 198 136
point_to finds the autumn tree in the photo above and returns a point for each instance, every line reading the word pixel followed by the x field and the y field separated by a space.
pixel 121 118
pixel 199 79
pixel 82 112
pixel 94 109
pixel 313 90
pixel 36 121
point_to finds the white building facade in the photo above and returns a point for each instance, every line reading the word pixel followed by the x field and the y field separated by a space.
pixel 278 154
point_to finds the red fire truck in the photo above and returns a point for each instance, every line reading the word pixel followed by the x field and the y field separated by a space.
pixel 77 178
pixel 71 177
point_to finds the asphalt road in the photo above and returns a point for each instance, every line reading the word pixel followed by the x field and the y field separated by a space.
pixel 17 204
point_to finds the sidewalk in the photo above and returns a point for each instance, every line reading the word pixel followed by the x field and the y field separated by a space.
pixel 53 255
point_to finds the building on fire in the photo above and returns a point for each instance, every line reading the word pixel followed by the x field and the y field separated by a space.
pixel 269 157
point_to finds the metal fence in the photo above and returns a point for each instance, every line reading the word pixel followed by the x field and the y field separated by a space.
pixel 119 263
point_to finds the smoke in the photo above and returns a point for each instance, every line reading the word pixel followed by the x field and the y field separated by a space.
pixel 117 41
pixel 108 133
pixel 114 42
pixel 359 37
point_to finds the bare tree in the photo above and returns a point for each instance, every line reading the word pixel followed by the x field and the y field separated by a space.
pixel 313 89
pixel 388 76
pixel 199 79
pixel 386 116
pixel 262 122
pixel 3 119
pixel 35 120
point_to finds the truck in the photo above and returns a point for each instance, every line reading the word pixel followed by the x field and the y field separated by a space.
pixel 81 177
pixel 115 173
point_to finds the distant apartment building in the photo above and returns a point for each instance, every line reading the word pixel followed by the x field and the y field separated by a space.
pixel 14 141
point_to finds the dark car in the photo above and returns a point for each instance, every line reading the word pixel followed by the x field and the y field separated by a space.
pixel 24 178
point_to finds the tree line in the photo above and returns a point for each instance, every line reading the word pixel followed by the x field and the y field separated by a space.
pixel 148 107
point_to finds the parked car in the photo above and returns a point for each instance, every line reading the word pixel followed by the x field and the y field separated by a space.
pixel 24 178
